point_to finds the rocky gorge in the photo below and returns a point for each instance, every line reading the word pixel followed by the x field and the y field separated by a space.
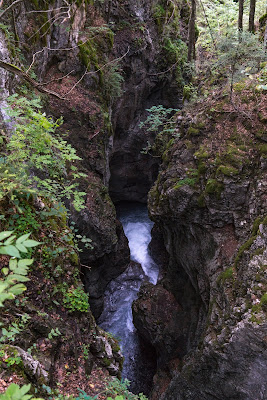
pixel 105 64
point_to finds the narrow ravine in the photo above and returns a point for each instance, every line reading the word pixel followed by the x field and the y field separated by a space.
pixel 139 364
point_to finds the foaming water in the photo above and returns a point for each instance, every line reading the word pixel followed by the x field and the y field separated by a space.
pixel 137 227
pixel 117 315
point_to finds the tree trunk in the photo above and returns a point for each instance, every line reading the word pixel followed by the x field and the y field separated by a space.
pixel 191 32
pixel 240 15
pixel 251 26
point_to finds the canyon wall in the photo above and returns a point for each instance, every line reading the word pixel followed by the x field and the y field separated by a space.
pixel 209 202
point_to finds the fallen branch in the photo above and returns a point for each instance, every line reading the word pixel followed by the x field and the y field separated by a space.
pixel 26 77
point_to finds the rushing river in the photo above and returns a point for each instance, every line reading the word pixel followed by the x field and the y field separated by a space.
pixel 117 315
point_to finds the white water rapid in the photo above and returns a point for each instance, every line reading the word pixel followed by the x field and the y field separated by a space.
pixel 117 315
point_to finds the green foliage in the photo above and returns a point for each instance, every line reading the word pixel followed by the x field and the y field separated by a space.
pixel 112 82
pixel 189 92
pixel 176 54
pixel 239 55
pixel 115 390
pixel 13 276
pixel 75 299
pixel 221 16
pixel 14 392
pixel 158 118
pixel 8 335
pixel 120 388
pixel 10 360
pixel 85 349
pixel 36 159
pixel 54 333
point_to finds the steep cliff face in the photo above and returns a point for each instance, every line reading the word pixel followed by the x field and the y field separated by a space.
pixel 60 339
pixel 209 202
pixel 144 33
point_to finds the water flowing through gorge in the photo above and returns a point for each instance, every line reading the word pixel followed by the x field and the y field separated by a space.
pixel 117 315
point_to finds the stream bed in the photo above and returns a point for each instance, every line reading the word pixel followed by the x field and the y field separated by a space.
pixel 139 363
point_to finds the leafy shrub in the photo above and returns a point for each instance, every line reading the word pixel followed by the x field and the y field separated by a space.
pixel 14 392
pixel 13 276
pixel 76 299
pixel 36 160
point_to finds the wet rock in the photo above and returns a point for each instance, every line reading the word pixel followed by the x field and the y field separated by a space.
pixel 157 317
pixel 217 374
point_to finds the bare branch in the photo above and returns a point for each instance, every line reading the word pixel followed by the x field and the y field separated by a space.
pixel 46 11
pixel 165 72
pixel 9 8
pixel 56 79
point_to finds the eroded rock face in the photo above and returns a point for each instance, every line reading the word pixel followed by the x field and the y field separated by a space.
pixel 212 221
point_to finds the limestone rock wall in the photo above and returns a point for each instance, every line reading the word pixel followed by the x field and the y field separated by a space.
pixel 213 220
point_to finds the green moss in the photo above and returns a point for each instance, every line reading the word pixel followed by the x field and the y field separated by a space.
pixel 240 86
pixel 201 153
pixel 263 301
pixel 263 20
pixel 255 319
pixel 226 170
pixel 192 131
pixel 158 14
pixel 262 148
pixel 106 362
pixel 201 201
pixel 186 181
pixel 256 225
pixel 259 251
pixel 214 187
pixel 202 168
pixel 226 275
pixel 242 249
pixel 87 54
pixel 74 258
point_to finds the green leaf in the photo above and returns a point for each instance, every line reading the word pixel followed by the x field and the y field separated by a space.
pixel 31 243
pixel 5 234
pixel 9 240
pixel 4 297
pixel 13 264
pixel 17 289
pixel 24 389
pixel 3 286
pixel 15 277
pixel 5 271
pixel 22 238
pixel 21 248
pixel 10 250
pixel 25 262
